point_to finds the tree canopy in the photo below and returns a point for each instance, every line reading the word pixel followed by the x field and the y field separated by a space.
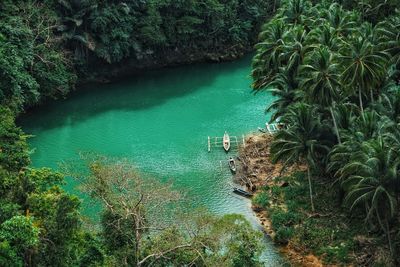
pixel 335 73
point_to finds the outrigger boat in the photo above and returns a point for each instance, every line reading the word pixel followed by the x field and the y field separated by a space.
pixel 242 192
pixel 262 130
pixel 226 142
pixel 232 165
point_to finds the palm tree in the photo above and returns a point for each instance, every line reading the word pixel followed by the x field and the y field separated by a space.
pixel 389 104
pixel 322 80
pixel 369 125
pixel 266 63
pixel 300 141
pixel 390 36
pixel 296 11
pixel 295 49
pixel 324 35
pixel 343 22
pixel 285 88
pixel 372 179
pixel 365 67
pixel 74 29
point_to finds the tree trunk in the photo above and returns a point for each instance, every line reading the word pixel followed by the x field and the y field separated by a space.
pixel 360 99
pixel 310 187
pixel 335 125
pixel 372 96
pixel 388 237
pixel 137 237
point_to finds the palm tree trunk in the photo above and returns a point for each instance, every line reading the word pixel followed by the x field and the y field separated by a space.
pixel 310 187
pixel 335 125
pixel 372 95
pixel 388 237
pixel 360 99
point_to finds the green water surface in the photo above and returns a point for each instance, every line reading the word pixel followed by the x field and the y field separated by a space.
pixel 161 121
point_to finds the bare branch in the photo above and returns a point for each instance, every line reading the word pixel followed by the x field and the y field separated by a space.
pixel 161 254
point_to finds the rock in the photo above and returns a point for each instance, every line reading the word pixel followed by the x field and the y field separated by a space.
pixel 283 184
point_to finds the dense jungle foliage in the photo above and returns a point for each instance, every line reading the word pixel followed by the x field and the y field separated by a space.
pixel 335 75
pixel 45 45
pixel 46 48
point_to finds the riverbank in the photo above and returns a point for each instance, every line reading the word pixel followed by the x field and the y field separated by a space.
pixel 329 237
pixel 99 72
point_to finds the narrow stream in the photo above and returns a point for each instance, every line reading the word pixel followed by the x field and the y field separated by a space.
pixel 160 121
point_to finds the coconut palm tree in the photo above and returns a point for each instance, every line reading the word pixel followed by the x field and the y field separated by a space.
pixel 365 67
pixel 390 37
pixel 321 80
pixel 343 22
pixel 300 141
pixel 369 125
pixel 266 63
pixel 285 88
pixel 296 11
pixel 389 104
pixel 372 179
pixel 295 49
pixel 324 35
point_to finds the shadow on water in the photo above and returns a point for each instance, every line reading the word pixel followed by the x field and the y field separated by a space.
pixel 140 92
pixel 160 120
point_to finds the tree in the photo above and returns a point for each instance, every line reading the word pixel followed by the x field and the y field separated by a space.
pixel 141 224
pixel 75 16
pixel 296 11
pixel 300 141
pixel 343 22
pixel 21 235
pixel 390 38
pixel 295 49
pixel 285 88
pixel 364 66
pixel 321 80
pixel 268 59
pixel 371 179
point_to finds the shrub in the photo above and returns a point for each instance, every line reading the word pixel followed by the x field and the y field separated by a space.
pixel 283 218
pixel 261 200
pixel 283 234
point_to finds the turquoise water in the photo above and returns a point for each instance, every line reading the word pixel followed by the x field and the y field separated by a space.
pixel 159 120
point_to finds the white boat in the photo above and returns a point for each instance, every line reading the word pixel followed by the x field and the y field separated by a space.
pixel 232 165
pixel 226 142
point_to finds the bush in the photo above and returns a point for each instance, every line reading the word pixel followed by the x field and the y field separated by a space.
pixel 338 253
pixel 283 234
pixel 282 218
pixel 261 200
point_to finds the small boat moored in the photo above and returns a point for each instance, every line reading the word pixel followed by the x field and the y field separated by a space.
pixel 242 192
pixel 226 142
pixel 232 165
pixel 262 130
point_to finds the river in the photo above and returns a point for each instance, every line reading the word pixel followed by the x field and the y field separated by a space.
pixel 160 120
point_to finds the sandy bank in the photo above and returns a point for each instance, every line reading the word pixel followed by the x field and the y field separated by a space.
pixel 256 170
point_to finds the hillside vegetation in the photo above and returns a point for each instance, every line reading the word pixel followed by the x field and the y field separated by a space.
pixel 46 48
pixel 335 75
